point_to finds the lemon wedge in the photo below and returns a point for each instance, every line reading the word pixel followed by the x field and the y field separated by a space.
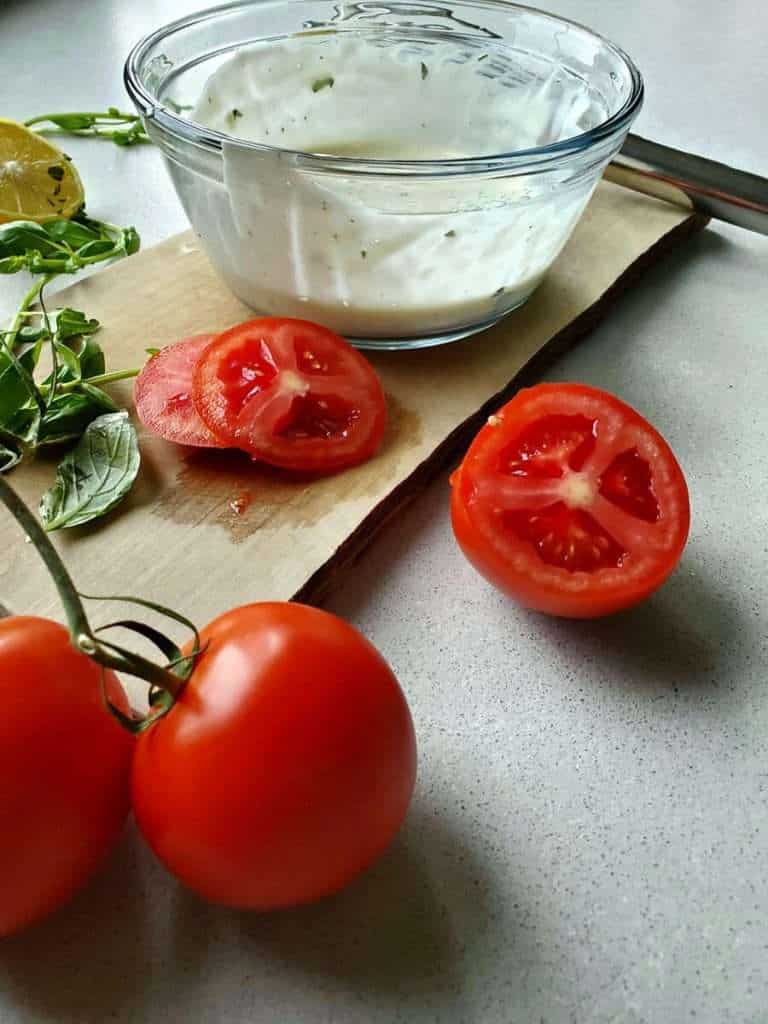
pixel 37 181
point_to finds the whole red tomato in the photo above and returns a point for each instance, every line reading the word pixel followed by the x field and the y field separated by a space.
pixel 64 769
pixel 286 765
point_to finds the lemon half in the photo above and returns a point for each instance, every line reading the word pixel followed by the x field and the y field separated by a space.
pixel 37 181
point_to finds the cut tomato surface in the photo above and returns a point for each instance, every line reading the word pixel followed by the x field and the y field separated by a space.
pixel 163 394
pixel 571 502
pixel 292 394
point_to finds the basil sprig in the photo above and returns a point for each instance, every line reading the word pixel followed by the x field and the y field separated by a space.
pixel 122 129
pixel 61 407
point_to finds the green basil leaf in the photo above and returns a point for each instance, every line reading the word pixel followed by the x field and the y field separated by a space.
pixel 98 247
pixel 29 355
pixel 22 236
pixel 96 227
pixel 14 389
pixel 74 232
pixel 29 346
pixel 69 364
pixel 131 241
pixel 130 136
pixel 69 414
pixel 78 356
pixel 91 356
pixel 71 323
pixel 73 122
pixel 20 430
pixel 98 397
pixel 95 476
pixel 99 124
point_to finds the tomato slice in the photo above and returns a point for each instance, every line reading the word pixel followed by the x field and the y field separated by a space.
pixel 163 394
pixel 571 502
pixel 292 394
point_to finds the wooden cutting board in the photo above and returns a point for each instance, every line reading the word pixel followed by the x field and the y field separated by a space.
pixel 205 531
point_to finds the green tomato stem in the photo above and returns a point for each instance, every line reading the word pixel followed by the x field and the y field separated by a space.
pixel 77 620
pixel 106 654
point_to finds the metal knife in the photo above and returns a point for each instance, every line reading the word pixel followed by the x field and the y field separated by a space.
pixel 708 187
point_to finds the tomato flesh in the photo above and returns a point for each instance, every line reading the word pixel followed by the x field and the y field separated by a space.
pixel 163 394
pixel 549 447
pixel 285 767
pixel 567 538
pixel 245 372
pixel 627 483
pixel 292 394
pixel 571 502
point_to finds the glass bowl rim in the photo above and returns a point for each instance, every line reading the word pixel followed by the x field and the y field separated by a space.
pixel 521 161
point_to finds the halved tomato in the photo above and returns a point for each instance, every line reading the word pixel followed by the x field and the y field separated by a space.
pixel 571 502
pixel 163 394
pixel 292 394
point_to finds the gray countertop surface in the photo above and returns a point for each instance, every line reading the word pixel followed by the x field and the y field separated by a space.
pixel 589 837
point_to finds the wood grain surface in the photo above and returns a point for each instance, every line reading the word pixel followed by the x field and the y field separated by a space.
pixel 203 531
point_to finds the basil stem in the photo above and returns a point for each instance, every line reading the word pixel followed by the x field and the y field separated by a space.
pixel 123 129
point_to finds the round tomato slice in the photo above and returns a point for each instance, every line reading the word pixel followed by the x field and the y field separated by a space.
pixel 571 502
pixel 163 394
pixel 292 394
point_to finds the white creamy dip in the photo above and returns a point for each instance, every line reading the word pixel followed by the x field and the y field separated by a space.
pixel 385 255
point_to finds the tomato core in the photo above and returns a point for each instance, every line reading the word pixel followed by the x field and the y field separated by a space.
pixel 564 534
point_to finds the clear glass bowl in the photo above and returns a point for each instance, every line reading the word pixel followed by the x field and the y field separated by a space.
pixel 392 253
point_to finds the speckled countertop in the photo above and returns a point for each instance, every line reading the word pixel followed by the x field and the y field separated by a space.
pixel 589 837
